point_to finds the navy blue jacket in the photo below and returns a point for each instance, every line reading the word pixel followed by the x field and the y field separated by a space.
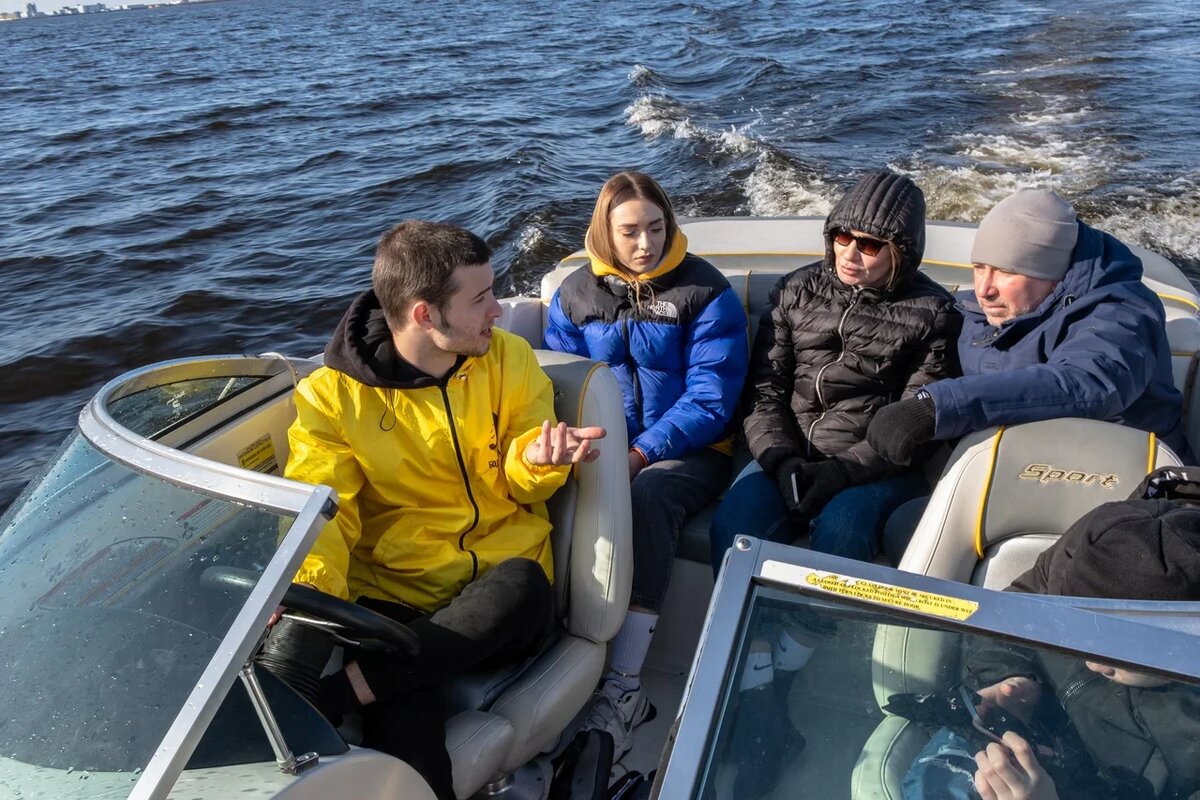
pixel 679 356
pixel 1095 348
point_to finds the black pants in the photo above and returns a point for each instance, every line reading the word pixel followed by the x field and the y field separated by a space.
pixel 664 495
pixel 503 617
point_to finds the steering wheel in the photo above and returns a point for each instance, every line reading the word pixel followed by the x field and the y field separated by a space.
pixel 347 622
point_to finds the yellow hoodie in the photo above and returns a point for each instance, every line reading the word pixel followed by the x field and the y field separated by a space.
pixel 433 487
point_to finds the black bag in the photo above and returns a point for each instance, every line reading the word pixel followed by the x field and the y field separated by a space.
pixel 632 786
pixel 581 771
pixel 1170 483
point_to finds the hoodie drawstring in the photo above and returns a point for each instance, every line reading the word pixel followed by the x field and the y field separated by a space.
pixel 389 400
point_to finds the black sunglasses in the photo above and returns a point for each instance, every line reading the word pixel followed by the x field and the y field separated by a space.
pixel 867 245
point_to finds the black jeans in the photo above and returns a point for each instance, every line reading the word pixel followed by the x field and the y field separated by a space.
pixel 664 495
pixel 503 617
pixel 500 618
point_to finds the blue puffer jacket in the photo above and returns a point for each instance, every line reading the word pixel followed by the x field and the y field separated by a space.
pixel 1095 348
pixel 680 354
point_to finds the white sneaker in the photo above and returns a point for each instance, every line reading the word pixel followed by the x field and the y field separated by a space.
pixel 619 712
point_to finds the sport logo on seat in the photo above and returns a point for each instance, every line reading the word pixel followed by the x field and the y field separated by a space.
pixel 1045 473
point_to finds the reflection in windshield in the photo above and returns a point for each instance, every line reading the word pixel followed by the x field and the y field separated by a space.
pixel 831 702
pixel 151 412
pixel 116 595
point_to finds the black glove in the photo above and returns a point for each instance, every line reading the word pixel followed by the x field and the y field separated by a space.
pixel 821 481
pixel 790 477
pixel 897 429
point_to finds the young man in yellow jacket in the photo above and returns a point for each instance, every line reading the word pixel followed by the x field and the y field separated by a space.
pixel 437 431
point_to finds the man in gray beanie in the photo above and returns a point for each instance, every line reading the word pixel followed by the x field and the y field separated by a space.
pixel 1021 252
pixel 1059 325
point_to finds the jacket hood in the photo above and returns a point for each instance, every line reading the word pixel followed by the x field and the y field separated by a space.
pixel 1134 549
pixel 885 205
pixel 362 348
pixel 670 260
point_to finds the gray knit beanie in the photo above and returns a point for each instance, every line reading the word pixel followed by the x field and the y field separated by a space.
pixel 1031 232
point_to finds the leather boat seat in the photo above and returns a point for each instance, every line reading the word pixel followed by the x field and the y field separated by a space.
pixel 1005 495
pixel 508 717
pixel 1008 493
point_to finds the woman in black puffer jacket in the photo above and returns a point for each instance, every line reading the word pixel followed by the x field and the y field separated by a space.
pixel 839 340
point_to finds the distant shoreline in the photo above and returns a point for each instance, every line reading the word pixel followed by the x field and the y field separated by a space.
pixel 76 10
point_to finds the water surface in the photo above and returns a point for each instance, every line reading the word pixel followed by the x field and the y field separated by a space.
pixel 212 178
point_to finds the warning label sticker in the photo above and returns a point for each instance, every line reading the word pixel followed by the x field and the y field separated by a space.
pixel 259 455
pixel 939 605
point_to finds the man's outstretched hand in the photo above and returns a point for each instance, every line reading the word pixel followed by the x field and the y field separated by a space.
pixel 563 445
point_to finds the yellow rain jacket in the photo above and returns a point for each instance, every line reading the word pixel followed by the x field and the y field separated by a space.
pixel 433 488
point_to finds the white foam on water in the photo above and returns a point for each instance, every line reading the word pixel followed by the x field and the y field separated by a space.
pixel 530 237
pixel 775 188
pixel 657 116
pixel 1072 160
pixel 639 73
pixel 1051 116
pixel 1165 224
pixel 966 193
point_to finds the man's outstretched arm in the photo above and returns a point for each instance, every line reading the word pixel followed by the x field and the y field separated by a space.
pixel 539 451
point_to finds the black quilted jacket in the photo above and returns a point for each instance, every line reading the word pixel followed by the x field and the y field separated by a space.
pixel 828 355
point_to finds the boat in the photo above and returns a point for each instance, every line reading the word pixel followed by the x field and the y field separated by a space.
pixel 143 565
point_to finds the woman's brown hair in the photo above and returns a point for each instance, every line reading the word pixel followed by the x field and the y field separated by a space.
pixel 623 186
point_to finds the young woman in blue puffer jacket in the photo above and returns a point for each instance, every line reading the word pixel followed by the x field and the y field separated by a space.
pixel 674 333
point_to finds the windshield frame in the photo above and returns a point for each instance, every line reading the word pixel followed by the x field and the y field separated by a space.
pixel 1163 636
pixel 176 466
pixel 311 506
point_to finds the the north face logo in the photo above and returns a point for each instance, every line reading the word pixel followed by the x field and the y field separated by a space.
pixel 663 308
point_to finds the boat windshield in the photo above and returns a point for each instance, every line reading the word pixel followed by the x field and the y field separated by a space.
pixel 116 596
pixel 153 411
pixel 828 699
pixel 840 686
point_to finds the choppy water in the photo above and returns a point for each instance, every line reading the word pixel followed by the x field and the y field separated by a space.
pixel 212 178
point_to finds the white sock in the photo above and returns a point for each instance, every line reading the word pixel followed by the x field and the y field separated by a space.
pixel 758 670
pixel 630 645
pixel 789 654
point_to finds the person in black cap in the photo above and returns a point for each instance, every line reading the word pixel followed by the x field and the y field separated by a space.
pixel 1141 732
pixel 839 340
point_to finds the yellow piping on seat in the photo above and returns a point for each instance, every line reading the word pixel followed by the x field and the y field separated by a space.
pixel 1179 299
pixel 1151 453
pixel 987 488
pixel 579 414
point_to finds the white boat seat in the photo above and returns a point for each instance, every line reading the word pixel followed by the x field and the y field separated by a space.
pixel 1005 495
pixel 509 716
pixel 1028 482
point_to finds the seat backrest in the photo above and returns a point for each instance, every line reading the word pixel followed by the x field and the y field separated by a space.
pixel 592 545
pixel 1008 493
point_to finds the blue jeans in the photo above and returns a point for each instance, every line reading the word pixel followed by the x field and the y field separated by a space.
pixel 943 770
pixel 850 525
pixel 902 524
